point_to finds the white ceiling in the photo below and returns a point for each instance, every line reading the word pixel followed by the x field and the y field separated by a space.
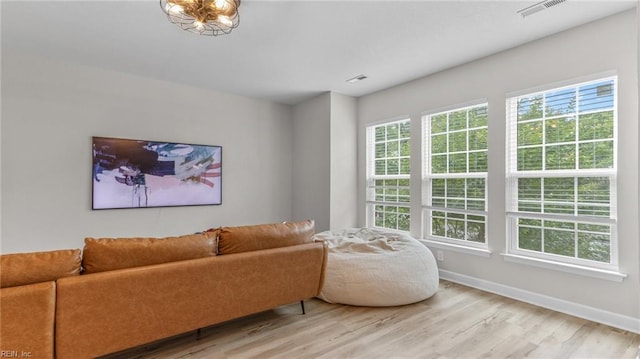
pixel 287 51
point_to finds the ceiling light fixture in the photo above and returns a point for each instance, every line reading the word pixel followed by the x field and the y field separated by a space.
pixel 204 17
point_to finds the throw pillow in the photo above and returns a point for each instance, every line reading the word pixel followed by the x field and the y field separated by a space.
pixel 264 236
pixel 28 268
pixel 104 254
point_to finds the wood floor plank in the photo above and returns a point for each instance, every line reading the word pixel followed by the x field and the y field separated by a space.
pixel 457 323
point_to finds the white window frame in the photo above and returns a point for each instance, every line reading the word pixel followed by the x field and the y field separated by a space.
pixel 428 177
pixel 371 178
pixel 513 175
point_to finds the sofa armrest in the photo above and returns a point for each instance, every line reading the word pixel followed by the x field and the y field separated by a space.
pixel 106 312
pixel 27 314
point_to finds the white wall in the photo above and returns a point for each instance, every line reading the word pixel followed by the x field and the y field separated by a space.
pixel 311 161
pixel 325 161
pixel 344 162
pixel 609 44
pixel 49 113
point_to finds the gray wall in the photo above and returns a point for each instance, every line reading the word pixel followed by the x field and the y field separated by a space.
pixel 49 113
pixel 311 162
pixel 344 162
pixel 325 161
pixel 609 44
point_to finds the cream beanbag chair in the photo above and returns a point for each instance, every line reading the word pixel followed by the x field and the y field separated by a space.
pixel 368 267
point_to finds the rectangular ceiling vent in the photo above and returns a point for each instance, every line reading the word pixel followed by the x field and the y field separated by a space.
pixel 356 79
pixel 539 7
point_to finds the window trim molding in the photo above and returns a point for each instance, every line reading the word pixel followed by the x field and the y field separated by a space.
pixel 387 121
pixel 542 259
pixel 560 84
pixel 427 175
pixel 370 176
pixel 459 106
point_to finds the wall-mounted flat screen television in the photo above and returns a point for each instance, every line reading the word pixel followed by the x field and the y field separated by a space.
pixel 137 173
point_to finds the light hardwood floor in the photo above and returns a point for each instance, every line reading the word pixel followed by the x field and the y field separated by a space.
pixel 457 322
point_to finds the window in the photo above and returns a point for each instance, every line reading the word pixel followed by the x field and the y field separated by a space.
pixel 388 170
pixel 561 173
pixel 455 175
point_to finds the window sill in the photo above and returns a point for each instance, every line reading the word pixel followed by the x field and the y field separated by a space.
pixel 567 268
pixel 481 252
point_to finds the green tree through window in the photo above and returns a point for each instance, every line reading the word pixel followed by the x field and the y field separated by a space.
pixel 455 174
pixel 562 173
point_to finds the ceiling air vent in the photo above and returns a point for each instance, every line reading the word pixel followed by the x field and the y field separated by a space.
pixel 539 7
pixel 356 79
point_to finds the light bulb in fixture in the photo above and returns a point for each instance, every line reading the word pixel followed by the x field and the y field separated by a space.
pixel 174 9
pixel 225 20
pixel 221 4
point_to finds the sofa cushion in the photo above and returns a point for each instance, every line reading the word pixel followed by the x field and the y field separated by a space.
pixel 36 267
pixel 264 236
pixel 105 254
pixel 27 320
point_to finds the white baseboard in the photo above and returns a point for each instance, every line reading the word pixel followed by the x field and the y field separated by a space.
pixel 624 322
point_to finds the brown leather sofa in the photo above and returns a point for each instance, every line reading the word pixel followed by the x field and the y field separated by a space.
pixel 28 300
pixel 137 290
